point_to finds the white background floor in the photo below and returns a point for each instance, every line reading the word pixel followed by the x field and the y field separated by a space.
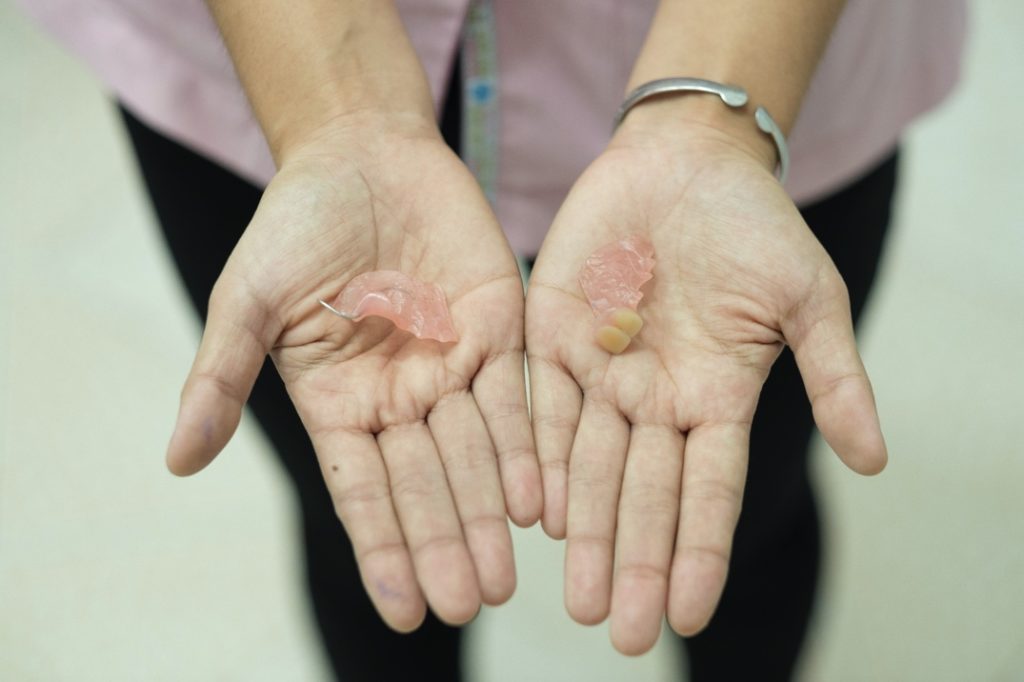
pixel 111 569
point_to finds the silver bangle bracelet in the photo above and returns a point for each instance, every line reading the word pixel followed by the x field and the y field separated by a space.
pixel 732 95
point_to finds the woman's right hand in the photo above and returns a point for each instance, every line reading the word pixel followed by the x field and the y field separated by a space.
pixel 424 446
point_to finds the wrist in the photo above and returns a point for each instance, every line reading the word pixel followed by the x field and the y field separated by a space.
pixel 695 118
pixel 316 65
pixel 363 136
pixel 351 112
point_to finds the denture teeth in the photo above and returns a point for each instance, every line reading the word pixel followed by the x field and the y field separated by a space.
pixel 627 320
pixel 611 280
pixel 612 339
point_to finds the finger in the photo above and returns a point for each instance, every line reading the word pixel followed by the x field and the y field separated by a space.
pixel 500 392
pixel 595 477
pixel 645 535
pixel 555 403
pixel 238 334
pixel 429 522
pixel 820 332
pixel 468 456
pixel 714 470
pixel 358 483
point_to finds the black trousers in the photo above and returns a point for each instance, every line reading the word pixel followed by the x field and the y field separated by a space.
pixel 760 625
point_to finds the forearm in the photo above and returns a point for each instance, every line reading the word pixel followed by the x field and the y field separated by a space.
pixel 308 65
pixel 768 47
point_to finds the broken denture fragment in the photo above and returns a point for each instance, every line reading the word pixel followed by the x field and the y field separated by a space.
pixel 412 305
pixel 611 279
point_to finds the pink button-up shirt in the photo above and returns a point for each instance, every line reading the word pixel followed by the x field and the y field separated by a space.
pixel 562 67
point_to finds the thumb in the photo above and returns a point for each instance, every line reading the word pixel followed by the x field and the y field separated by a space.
pixel 820 331
pixel 237 337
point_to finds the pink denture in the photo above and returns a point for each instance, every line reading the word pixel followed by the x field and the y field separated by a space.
pixel 414 306
pixel 611 278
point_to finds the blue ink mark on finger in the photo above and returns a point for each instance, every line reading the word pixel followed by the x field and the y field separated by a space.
pixel 388 592
pixel 207 429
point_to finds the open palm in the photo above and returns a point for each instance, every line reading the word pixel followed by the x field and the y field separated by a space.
pixel 644 454
pixel 416 439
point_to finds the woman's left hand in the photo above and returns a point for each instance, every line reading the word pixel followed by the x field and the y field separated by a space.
pixel 644 453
